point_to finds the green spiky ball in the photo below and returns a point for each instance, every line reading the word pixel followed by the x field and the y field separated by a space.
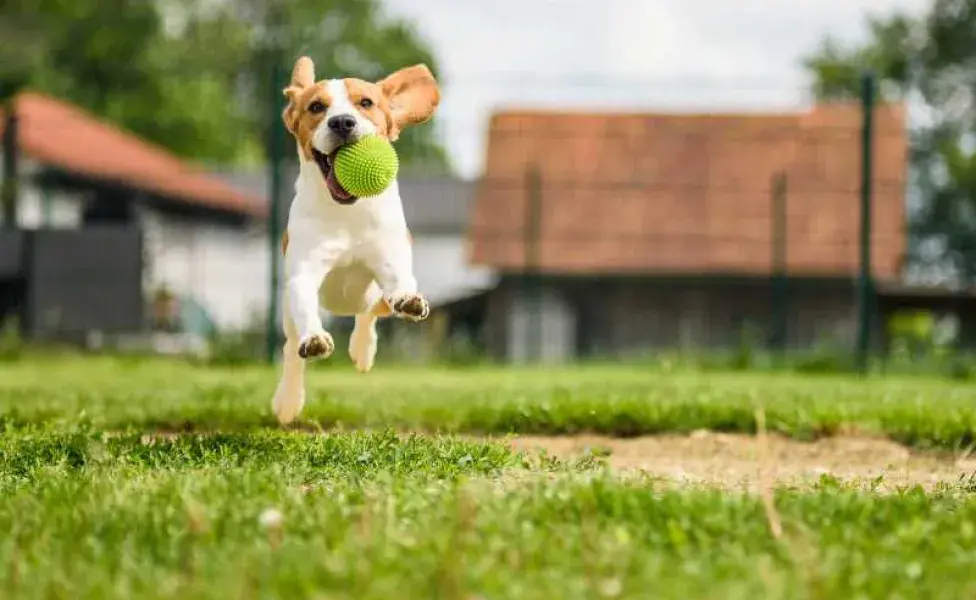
pixel 367 167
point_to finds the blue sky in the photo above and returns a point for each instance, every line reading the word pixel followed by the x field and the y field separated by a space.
pixel 650 54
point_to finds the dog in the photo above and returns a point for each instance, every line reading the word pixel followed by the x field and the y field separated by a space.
pixel 350 256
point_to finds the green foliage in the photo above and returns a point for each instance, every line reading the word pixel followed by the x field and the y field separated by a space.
pixel 12 344
pixel 235 348
pixel 921 342
pixel 912 334
pixel 463 351
pixel 929 59
pixel 823 360
pixel 750 343
pixel 894 43
pixel 114 58
pixel 193 75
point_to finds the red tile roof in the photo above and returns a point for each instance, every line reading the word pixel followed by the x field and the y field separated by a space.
pixel 688 194
pixel 58 134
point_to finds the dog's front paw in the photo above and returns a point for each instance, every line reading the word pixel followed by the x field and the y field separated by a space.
pixel 317 345
pixel 412 307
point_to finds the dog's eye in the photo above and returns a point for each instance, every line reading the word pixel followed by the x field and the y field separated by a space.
pixel 316 107
pixel 366 103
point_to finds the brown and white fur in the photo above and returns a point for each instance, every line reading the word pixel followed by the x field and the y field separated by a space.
pixel 349 256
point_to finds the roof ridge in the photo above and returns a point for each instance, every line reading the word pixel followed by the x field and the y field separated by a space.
pixel 715 114
pixel 126 157
pixel 633 113
pixel 91 118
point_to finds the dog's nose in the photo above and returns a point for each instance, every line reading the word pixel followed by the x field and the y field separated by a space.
pixel 342 124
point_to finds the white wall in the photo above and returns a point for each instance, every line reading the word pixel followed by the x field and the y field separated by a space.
pixel 440 263
pixel 39 208
pixel 548 320
pixel 223 267
pixel 226 269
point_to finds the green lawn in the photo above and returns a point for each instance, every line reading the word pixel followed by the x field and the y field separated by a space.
pixel 135 479
pixel 624 401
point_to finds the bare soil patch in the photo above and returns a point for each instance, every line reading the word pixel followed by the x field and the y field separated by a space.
pixel 740 461
pixel 736 460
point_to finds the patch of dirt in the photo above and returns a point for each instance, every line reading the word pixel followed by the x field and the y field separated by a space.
pixel 736 461
pixel 739 461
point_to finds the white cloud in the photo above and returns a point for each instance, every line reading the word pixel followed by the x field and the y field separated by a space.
pixel 665 54
pixel 661 38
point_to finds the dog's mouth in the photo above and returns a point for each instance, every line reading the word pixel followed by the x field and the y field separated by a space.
pixel 326 163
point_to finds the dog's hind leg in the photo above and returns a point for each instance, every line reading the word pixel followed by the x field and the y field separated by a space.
pixel 363 341
pixel 289 398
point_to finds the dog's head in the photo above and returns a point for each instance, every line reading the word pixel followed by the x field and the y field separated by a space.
pixel 325 115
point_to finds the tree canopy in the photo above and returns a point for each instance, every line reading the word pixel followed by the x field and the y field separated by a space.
pixel 930 62
pixel 196 75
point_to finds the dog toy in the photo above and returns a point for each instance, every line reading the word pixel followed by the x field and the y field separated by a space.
pixel 367 167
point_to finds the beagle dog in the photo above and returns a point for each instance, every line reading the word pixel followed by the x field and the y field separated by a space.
pixel 351 256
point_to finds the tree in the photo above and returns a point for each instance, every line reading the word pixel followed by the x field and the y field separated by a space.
pixel 344 38
pixel 111 58
pixel 929 61
pixel 194 75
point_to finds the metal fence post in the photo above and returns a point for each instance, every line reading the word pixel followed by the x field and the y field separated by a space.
pixel 275 156
pixel 533 228
pixel 865 286
pixel 779 274
pixel 8 188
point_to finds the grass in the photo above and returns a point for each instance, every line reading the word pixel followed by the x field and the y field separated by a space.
pixel 154 479
pixel 621 401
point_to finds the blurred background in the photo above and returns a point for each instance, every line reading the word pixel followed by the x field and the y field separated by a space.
pixel 602 180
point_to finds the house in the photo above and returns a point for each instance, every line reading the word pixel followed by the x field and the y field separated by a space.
pixel 438 210
pixel 618 233
pixel 104 216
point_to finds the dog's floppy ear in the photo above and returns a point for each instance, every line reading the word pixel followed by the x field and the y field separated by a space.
pixel 302 77
pixel 413 96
